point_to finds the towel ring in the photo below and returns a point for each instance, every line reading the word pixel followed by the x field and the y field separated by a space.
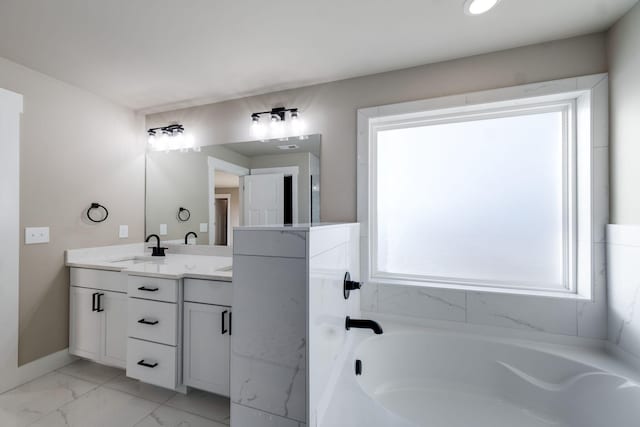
pixel 184 214
pixel 95 205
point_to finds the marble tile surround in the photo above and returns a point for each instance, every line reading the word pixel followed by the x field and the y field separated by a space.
pixel 584 319
pixel 623 255
pixel 85 394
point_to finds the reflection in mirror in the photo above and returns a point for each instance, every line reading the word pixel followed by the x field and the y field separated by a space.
pixel 269 182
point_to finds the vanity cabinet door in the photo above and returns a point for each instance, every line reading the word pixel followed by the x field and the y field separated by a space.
pixel 114 345
pixel 207 331
pixel 85 323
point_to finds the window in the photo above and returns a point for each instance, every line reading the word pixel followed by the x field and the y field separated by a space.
pixel 493 195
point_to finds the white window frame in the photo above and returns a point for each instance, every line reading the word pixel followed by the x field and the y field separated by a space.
pixel 584 103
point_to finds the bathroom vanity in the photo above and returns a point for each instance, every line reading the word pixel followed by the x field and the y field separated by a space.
pixel 166 320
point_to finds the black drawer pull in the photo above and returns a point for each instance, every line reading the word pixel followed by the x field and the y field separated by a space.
pixel 144 288
pixel 146 322
pixel 99 308
pixel 147 365
pixel 93 301
pixel 224 329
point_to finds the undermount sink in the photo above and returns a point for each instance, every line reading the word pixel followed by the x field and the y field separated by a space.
pixel 134 260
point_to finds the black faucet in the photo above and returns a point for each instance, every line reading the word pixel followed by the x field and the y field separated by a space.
pixel 363 324
pixel 157 250
pixel 186 237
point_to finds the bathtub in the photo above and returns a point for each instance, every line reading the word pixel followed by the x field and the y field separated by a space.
pixel 421 377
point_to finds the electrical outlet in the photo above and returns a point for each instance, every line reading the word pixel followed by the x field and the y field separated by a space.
pixel 163 229
pixel 204 227
pixel 124 231
pixel 33 235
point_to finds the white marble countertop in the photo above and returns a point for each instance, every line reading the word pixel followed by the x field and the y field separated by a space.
pixel 133 260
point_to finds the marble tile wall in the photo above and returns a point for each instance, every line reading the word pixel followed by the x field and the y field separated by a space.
pixel 586 319
pixel 623 256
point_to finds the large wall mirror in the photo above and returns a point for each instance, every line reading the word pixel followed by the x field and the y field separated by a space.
pixel 218 187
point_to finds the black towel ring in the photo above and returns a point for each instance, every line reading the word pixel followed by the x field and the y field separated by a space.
pixel 95 205
pixel 183 214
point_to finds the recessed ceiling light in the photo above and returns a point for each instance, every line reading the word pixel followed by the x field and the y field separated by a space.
pixel 478 7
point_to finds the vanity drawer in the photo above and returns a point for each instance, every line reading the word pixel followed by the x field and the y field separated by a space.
pixel 153 288
pixel 153 321
pixel 208 292
pixel 161 363
pixel 98 279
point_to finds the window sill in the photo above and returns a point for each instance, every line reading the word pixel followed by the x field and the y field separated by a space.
pixel 484 289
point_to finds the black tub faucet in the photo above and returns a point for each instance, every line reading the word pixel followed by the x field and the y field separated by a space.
pixel 156 250
pixel 186 237
pixel 363 324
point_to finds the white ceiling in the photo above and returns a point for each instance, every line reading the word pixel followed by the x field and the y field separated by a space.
pixel 148 53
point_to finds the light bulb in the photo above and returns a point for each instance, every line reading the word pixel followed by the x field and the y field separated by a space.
pixel 297 125
pixel 258 129
pixel 478 7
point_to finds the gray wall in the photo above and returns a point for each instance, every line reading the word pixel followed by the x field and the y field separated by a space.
pixel 624 68
pixel 76 148
pixel 330 109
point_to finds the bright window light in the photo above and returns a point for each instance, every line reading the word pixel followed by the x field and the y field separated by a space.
pixel 477 200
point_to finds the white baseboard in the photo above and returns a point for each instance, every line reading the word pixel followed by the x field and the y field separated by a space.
pixel 37 368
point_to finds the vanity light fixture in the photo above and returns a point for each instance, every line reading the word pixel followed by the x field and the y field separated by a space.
pixel 277 117
pixel 171 137
pixel 478 7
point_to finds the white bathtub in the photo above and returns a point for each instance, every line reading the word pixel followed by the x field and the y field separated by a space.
pixel 431 378
pixel 460 381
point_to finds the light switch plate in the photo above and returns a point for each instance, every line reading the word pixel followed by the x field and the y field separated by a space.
pixel 124 231
pixel 204 227
pixel 33 235
pixel 163 229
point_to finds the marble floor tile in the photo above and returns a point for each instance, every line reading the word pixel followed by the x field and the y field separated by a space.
pixel 101 407
pixel 92 372
pixel 166 416
pixel 201 403
pixel 33 400
pixel 140 389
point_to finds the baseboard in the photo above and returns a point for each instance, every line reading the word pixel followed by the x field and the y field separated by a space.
pixel 37 368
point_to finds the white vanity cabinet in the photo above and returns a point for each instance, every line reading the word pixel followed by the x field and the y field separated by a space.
pixel 208 325
pixel 98 314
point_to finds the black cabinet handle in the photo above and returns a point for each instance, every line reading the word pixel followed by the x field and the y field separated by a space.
pixel 147 365
pixel 93 301
pixel 146 322
pixel 99 304
pixel 224 329
pixel 144 288
pixel 230 321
